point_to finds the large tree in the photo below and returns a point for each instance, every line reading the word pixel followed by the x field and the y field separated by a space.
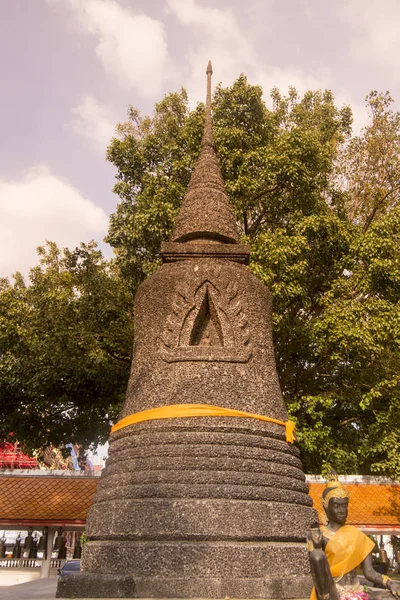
pixel 319 208
pixel 65 346
pixel 324 230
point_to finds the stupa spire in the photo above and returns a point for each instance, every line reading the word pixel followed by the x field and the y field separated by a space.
pixel 206 213
pixel 208 135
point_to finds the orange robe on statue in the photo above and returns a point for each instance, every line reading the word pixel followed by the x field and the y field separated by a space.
pixel 345 551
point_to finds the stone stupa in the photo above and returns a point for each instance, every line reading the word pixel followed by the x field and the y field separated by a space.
pixel 200 499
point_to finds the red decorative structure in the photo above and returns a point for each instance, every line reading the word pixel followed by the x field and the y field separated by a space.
pixel 11 457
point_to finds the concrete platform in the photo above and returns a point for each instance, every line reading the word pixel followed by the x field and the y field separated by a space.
pixel 41 589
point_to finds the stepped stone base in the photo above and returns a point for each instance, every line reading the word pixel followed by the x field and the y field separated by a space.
pixel 190 570
pixel 229 520
pixel 89 585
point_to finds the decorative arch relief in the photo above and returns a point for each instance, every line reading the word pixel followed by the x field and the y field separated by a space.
pixel 207 322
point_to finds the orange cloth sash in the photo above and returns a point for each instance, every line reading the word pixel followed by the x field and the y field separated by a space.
pixel 174 411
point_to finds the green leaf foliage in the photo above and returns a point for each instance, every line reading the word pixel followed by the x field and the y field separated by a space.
pixel 65 343
pixel 320 210
pixel 293 174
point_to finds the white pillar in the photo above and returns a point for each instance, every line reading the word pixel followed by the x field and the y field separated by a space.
pixel 45 570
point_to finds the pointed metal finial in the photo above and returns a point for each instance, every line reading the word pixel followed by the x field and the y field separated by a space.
pixel 207 135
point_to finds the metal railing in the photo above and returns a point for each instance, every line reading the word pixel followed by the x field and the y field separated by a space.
pixel 29 563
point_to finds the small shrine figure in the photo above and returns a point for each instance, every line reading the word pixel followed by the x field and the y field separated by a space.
pixel 28 544
pixel 59 544
pixel 42 545
pixel 395 541
pixel 78 548
pixel 337 550
pixel 17 548
pixel 34 549
pixel 3 545
pixel 383 558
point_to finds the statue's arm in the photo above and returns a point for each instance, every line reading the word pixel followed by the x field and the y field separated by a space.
pixel 323 582
pixel 369 571
pixel 375 577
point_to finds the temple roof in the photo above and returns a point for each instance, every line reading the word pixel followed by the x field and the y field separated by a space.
pixel 45 499
pixel 40 500
pixel 206 213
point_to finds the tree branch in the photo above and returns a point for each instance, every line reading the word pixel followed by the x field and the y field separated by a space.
pixel 123 359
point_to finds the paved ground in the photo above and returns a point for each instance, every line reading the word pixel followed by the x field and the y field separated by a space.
pixel 40 589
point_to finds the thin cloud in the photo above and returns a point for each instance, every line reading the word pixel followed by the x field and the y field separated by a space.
pixel 43 206
pixel 94 122
pixel 376 31
pixel 218 35
pixel 131 46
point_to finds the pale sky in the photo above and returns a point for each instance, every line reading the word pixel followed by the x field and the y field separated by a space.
pixel 69 68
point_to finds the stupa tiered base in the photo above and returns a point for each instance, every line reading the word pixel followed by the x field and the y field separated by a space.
pixel 209 518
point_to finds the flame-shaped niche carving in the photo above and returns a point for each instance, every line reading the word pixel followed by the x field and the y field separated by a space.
pixel 206 324
pixel 207 321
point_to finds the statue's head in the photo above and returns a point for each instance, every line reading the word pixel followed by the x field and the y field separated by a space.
pixel 335 500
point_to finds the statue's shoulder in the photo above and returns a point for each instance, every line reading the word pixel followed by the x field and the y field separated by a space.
pixel 346 534
pixel 350 530
pixel 327 533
